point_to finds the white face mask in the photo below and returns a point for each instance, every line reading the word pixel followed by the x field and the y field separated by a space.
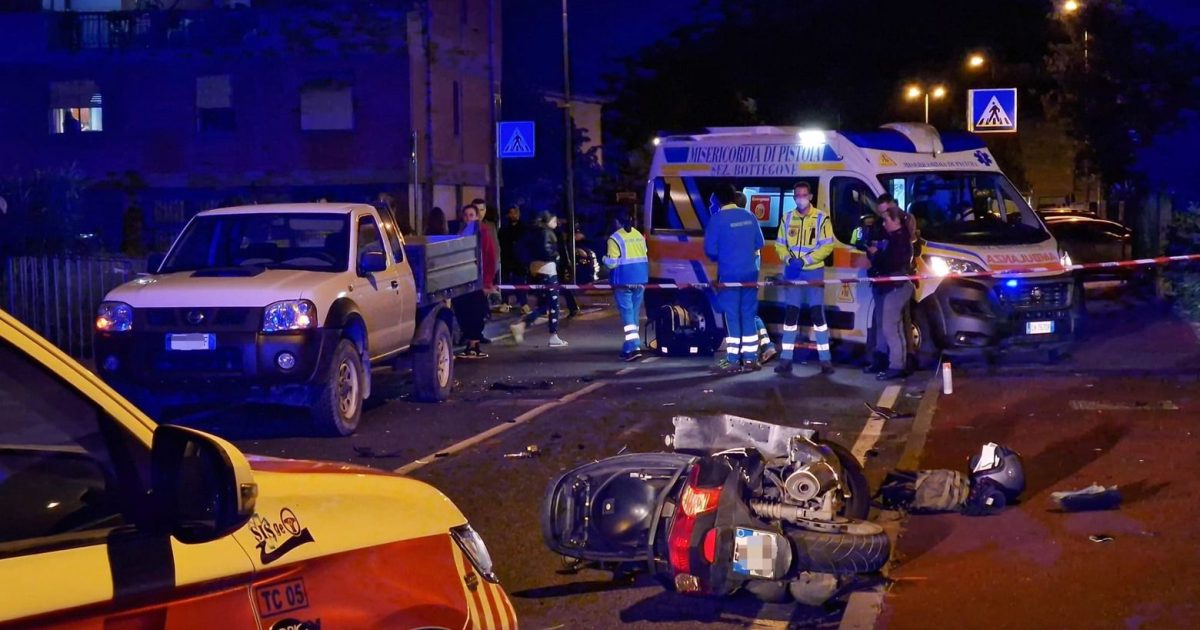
pixel 803 203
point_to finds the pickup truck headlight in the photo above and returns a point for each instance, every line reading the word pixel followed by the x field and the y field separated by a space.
pixel 472 545
pixel 114 317
pixel 289 315
pixel 942 266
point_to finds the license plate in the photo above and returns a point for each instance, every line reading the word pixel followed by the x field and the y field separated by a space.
pixel 192 341
pixel 1039 328
pixel 754 553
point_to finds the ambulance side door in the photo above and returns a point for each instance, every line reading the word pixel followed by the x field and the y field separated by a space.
pixel 851 199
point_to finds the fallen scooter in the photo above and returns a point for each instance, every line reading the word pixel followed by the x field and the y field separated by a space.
pixel 740 504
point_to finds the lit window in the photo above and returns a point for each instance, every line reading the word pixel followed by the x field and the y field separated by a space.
pixel 327 105
pixel 75 107
pixel 214 103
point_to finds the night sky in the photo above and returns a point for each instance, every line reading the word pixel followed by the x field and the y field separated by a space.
pixel 605 31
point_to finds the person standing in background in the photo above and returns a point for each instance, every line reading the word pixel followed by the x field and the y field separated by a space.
pixel 733 240
pixel 628 258
pixel 471 309
pixel 435 223
pixel 541 245
pixel 511 235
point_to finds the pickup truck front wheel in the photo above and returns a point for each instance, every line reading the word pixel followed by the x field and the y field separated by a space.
pixel 433 366
pixel 337 409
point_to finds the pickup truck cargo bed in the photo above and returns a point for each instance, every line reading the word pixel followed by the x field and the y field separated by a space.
pixel 444 267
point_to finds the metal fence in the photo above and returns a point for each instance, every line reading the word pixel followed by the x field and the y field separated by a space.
pixel 57 297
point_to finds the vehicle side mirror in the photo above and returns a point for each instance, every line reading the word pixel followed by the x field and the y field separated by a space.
pixel 371 262
pixel 202 486
pixel 154 261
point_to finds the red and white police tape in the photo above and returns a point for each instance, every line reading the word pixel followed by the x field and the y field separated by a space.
pixel 1011 273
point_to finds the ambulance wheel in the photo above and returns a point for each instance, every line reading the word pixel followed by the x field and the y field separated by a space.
pixel 922 347
pixel 337 409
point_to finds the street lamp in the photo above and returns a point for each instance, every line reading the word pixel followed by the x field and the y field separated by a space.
pixel 569 127
pixel 915 92
pixel 1071 6
pixel 976 61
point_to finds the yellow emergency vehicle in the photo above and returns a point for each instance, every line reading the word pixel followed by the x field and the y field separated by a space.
pixel 970 216
pixel 110 521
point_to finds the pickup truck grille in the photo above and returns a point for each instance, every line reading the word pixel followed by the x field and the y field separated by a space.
pixel 222 361
pixel 1026 297
pixel 206 319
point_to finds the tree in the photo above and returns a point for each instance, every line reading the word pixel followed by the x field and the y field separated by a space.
pixel 843 65
pixel 1121 78
pixel 43 214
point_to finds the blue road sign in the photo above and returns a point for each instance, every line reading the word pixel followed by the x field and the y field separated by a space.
pixel 515 139
pixel 992 111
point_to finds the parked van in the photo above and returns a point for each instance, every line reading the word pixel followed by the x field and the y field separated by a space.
pixel 970 216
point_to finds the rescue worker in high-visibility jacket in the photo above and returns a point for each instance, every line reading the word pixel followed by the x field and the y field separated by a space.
pixel 732 239
pixel 804 241
pixel 630 270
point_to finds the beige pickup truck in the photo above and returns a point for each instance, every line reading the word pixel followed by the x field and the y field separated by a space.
pixel 287 304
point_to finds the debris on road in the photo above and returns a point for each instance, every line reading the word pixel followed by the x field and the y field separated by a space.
pixel 1093 497
pixel 1137 405
pixel 530 452
pixel 887 413
pixel 367 451
pixel 520 387
pixel 1100 538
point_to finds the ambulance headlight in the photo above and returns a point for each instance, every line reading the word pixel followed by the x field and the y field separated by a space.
pixel 473 548
pixel 942 266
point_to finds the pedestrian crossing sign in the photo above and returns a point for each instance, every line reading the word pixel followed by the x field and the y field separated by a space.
pixel 992 111
pixel 515 139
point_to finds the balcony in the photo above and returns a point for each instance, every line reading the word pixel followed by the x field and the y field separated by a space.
pixel 150 30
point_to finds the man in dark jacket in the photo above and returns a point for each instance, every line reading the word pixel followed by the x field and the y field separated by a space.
pixel 512 236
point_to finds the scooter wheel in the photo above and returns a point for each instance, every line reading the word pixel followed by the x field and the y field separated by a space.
pixel 839 553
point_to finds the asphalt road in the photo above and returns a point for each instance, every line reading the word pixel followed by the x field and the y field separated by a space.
pixel 578 404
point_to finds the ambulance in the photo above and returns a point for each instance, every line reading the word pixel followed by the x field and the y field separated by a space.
pixel 970 217
pixel 113 521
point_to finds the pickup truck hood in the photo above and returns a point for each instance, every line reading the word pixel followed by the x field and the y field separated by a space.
pixel 183 289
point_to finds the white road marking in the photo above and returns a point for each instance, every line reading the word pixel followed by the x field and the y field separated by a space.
pixel 870 433
pixel 500 428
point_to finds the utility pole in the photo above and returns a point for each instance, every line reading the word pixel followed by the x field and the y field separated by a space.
pixel 569 128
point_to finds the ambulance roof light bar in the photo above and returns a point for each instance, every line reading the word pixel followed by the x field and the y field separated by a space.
pixel 924 137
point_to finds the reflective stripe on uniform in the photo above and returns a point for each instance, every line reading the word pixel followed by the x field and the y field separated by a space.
pixel 822 347
pixel 790 328
pixel 631 327
pixel 821 328
pixel 750 339
pixel 631 337
pixel 789 346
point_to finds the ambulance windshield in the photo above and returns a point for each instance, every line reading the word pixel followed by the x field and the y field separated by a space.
pixel 971 208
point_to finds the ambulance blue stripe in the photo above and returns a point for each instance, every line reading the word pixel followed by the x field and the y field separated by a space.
pixel 956 249
pixel 701 205
pixel 884 140
pixel 959 141
pixel 675 155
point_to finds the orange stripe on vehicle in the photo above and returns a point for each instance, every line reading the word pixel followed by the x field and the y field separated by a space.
pixel 683 204
pixel 509 617
pixel 494 605
pixel 473 605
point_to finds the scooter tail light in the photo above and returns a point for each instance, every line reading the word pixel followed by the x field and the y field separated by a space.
pixel 710 546
pixel 693 502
